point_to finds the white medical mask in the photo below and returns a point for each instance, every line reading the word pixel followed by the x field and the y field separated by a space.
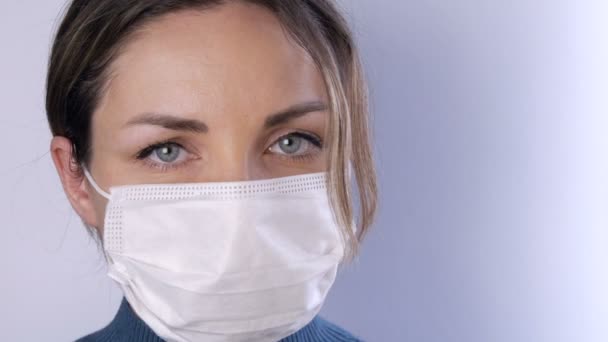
pixel 223 261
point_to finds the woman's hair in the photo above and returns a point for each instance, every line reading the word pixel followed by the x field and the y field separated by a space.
pixel 92 33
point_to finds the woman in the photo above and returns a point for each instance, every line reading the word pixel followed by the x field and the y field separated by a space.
pixel 208 147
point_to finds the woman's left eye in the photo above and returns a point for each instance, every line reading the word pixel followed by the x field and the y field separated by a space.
pixel 296 145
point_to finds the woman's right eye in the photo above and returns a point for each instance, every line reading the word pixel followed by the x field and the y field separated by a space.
pixel 167 153
pixel 163 154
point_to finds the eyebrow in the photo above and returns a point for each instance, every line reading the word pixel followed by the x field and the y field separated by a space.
pixel 294 112
pixel 193 125
pixel 170 122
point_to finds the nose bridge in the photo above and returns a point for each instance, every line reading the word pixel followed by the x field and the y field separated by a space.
pixel 232 160
pixel 233 170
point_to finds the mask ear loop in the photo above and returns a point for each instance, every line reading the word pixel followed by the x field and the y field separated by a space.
pixel 94 184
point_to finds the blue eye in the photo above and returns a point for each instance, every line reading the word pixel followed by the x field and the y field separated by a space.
pixel 296 145
pixel 167 153
pixel 290 144
pixel 163 154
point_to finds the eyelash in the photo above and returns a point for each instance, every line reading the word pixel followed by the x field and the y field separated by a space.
pixel 144 153
pixel 310 138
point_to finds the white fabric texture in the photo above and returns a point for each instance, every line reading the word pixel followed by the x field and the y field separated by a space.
pixel 223 261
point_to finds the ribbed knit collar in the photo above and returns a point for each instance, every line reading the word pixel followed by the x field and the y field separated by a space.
pixel 128 326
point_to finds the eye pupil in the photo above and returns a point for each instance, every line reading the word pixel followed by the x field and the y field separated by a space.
pixel 290 145
pixel 167 153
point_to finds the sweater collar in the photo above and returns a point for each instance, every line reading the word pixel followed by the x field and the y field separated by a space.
pixel 128 324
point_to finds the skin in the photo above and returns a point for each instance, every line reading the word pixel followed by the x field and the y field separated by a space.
pixel 229 67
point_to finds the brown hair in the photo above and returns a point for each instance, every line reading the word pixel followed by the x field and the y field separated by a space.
pixel 92 33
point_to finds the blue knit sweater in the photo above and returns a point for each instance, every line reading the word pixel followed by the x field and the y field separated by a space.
pixel 128 327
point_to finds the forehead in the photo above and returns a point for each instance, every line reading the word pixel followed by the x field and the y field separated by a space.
pixel 235 58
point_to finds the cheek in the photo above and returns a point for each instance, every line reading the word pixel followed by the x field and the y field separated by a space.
pixel 322 163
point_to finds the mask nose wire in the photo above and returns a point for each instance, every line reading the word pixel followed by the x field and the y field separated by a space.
pixel 94 184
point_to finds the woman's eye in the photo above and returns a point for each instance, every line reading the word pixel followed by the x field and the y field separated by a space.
pixel 296 145
pixel 163 153
pixel 167 153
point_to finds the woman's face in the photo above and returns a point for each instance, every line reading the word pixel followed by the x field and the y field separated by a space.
pixel 214 95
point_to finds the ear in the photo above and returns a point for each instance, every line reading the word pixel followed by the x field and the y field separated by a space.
pixel 73 180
